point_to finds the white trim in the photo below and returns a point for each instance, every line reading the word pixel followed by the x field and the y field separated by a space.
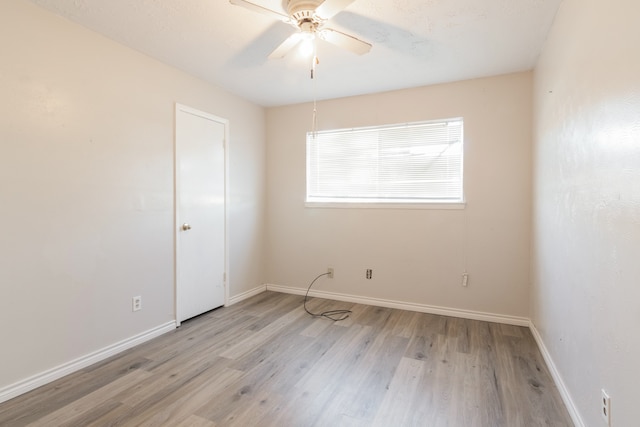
pixel 176 197
pixel 386 205
pixel 67 368
pixel 227 269
pixel 245 295
pixel 53 374
pixel 557 378
pixel 331 144
pixel 422 308
pixel 454 312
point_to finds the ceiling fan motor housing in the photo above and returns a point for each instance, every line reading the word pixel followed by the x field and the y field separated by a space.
pixel 303 10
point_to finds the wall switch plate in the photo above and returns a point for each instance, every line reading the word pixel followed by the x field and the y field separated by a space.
pixel 136 303
pixel 605 409
pixel 465 280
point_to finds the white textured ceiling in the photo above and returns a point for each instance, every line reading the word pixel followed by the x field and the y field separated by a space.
pixel 415 42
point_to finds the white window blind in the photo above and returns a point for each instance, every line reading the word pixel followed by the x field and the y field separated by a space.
pixel 408 163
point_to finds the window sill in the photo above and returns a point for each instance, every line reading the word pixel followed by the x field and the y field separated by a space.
pixel 387 205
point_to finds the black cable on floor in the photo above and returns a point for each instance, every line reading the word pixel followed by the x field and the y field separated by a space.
pixel 335 315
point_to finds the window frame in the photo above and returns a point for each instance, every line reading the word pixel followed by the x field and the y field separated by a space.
pixel 372 203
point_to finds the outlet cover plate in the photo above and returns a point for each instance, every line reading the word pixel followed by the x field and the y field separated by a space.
pixel 136 303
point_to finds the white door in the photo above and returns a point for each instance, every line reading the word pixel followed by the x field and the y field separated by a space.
pixel 200 212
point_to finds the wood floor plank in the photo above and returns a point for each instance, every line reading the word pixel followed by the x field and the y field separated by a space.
pixel 316 328
pixel 282 358
pixel 338 360
pixel 29 407
pixel 306 359
pixel 265 361
pixel 273 312
pixel 394 407
pixel 405 322
pixel 69 413
pixel 194 335
pixel 263 334
pixel 118 416
pixel 195 421
pixel 174 410
pixel 102 410
pixel 161 381
pixel 369 381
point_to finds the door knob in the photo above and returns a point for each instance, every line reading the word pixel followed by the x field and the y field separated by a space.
pixel 186 227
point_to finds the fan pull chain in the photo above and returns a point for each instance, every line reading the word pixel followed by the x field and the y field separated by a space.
pixel 315 61
pixel 314 119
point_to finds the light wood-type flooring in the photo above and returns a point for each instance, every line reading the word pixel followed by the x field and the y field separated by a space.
pixel 265 362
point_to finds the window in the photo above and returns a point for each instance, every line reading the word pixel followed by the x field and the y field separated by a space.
pixel 405 163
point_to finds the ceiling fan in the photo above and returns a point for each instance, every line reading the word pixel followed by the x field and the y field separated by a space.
pixel 309 18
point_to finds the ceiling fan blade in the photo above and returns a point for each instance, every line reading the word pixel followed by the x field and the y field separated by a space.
pixel 345 41
pixel 263 10
pixel 286 46
pixel 330 8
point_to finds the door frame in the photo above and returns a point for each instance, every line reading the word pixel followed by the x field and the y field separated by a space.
pixel 176 198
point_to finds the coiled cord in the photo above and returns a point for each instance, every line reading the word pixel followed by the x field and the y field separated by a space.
pixel 335 315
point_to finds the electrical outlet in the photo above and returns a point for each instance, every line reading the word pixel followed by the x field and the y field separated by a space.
pixel 369 273
pixel 465 280
pixel 136 303
pixel 605 409
pixel 330 272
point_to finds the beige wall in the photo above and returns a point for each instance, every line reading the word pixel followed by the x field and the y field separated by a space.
pixel 86 130
pixel 86 187
pixel 417 255
pixel 586 217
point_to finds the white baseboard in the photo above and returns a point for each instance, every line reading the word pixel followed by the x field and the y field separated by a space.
pixel 247 294
pixel 562 388
pixel 422 308
pixel 53 374
pixel 454 312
